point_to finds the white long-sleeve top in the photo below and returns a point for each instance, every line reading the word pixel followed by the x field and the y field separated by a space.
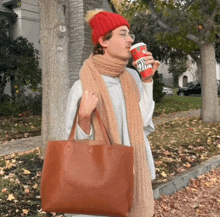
pixel 115 90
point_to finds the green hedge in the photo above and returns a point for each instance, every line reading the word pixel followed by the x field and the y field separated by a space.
pixel 30 104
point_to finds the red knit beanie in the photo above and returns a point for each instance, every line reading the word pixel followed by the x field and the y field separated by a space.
pixel 102 22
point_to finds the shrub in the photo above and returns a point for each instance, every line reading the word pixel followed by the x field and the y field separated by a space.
pixel 30 104
pixel 158 88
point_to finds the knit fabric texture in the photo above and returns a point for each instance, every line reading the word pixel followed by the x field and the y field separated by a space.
pixel 104 22
pixel 90 75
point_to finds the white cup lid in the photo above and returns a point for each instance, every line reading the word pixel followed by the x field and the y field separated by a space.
pixel 136 45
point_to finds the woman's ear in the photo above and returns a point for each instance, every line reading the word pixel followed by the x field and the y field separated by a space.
pixel 102 42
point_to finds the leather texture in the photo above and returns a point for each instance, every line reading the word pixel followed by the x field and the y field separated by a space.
pixel 88 176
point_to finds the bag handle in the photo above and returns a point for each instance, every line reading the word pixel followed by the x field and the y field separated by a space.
pixel 101 124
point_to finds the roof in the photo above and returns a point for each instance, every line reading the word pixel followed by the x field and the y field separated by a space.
pixel 6 10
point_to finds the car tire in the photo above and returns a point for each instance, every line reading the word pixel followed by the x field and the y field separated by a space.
pixel 181 94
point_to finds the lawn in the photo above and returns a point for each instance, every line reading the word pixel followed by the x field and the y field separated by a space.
pixel 175 103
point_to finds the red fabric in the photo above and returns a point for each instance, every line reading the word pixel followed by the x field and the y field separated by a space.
pixel 104 22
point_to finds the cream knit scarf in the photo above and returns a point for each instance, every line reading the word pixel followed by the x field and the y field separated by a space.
pixel 90 75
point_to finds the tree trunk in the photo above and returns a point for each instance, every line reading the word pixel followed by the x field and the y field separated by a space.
pixel 210 103
pixel 199 70
pixel 54 40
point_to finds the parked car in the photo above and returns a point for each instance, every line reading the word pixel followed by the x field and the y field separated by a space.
pixel 193 88
pixel 167 90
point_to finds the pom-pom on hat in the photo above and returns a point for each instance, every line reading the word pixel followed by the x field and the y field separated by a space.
pixel 102 22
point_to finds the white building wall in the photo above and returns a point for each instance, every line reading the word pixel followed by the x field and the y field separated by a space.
pixel 28 22
pixel 165 76
pixel 17 27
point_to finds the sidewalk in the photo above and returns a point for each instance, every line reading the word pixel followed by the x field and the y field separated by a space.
pixel 19 145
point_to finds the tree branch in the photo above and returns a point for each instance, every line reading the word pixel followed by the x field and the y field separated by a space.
pixel 155 16
pixel 165 26
pixel 193 38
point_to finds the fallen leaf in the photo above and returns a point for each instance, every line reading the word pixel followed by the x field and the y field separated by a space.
pixel 11 197
pixel 26 172
pixel 202 157
pixel 26 191
pixel 163 174
pixel 188 165
pixel 4 190
pixel 9 164
pixel 17 181
pixel 167 153
pixel 35 186
pixel 208 184
pixel 25 211
pixel 193 189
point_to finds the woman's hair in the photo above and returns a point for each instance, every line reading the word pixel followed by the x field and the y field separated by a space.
pixel 98 49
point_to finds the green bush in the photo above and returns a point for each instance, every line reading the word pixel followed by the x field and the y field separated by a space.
pixel 158 88
pixel 30 104
pixel 8 108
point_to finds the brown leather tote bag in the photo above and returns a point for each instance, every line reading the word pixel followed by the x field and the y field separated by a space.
pixel 88 176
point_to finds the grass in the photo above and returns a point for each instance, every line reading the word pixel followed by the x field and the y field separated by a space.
pixel 175 103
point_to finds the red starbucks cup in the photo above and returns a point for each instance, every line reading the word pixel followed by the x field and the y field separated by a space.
pixel 139 51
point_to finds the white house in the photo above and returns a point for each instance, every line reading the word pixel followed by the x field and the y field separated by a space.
pixel 190 75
